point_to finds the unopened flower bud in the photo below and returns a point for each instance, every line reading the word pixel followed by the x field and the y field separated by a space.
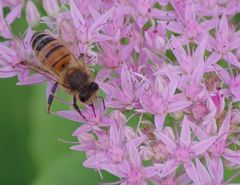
pixel 178 115
pixel 51 7
pixel 32 14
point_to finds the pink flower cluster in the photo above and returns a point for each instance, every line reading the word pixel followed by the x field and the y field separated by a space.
pixel 169 70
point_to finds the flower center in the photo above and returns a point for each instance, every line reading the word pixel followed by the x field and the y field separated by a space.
pixel 160 152
pixel 135 176
pixel 192 29
pixel 183 155
pixel 199 111
pixel 116 153
pixel 217 148
pixel 223 46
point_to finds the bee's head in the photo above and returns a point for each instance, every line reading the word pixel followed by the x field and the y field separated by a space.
pixel 89 94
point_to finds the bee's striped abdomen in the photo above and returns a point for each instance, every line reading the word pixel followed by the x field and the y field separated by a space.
pixel 50 52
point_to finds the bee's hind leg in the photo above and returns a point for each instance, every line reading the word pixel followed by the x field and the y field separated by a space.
pixel 51 96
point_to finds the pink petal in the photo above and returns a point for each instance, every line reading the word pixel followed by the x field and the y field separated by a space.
pixel 235 43
pixel 72 115
pixel 199 53
pixel 101 21
pixel 179 8
pixel 178 106
pixel 126 52
pixel 198 131
pixel 114 135
pixel 84 147
pixel 178 51
pixel 203 173
pixel 198 72
pixel 210 166
pixel 209 24
pixel 224 75
pixel 159 121
pixel 134 155
pixel 76 15
pixel 126 81
pixel 173 84
pixel 15 12
pixel 121 170
pixel 232 156
pixel 202 146
pixel 231 58
pixel 219 169
pixel 223 132
pixel 185 136
pixel 175 27
pixel 33 79
pixel 95 14
pixel 6 72
pixel 213 58
pixel 192 172
pixel 150 171
pixel 82 129
pixel 168 167
pixel 171 146
pixel 189 11
pixel 223 27
pixel 109 89
pixel 95 161
pixel 7 53
pixel 101 37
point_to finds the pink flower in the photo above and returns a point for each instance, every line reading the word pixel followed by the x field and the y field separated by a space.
pixel 131 171
pixel 93 122
pixel 6 21
pixel 224 42
pixel 189 61
pixel 159 98
pixel 212 175
pixel 188 24
pixel 233 83
pixel 184 151
pixel 124 96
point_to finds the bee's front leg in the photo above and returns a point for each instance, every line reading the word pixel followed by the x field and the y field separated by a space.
pixel 76 107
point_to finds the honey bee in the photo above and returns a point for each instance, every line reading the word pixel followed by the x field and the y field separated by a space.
pixel 71 73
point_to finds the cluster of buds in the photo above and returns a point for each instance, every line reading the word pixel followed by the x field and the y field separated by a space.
pixel 169 71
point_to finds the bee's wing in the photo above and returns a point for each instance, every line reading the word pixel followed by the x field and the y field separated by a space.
pixel 68 35
pixel 38 69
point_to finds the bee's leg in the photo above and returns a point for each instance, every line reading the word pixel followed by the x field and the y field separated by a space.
pixel 51 96
pixel 93 108
pixel 76 106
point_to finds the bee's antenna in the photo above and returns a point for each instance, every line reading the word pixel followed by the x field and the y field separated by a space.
pixel 93 108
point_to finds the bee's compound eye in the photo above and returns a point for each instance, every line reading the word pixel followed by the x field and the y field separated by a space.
pixel 94 86
pixel 82 97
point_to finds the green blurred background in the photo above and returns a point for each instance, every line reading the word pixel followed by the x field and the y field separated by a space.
pixel 30 152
